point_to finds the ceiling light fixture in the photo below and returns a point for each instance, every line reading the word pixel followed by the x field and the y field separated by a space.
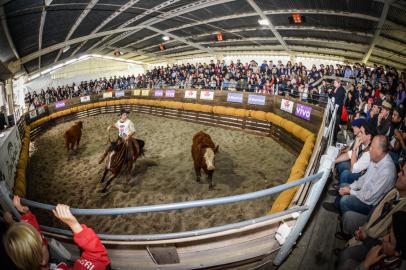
pixel 165 38
pixel 263 22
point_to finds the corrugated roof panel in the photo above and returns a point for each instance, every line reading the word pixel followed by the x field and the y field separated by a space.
pixel 397 15
pixel 331 45
pixel 326 35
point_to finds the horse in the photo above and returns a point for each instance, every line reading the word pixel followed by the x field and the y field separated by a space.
pixel 117 156
pixel 203 154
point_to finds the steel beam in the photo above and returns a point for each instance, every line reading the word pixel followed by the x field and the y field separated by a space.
pixel 378 30
pixel 79 20
pixel 7 32
pixel 41 31
pixel 106 21
pixel 170 14
pixel 270 25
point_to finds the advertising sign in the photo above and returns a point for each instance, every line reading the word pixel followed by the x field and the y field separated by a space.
pixel 159 93
pixel 85 99
pixel 119 94
pixel 137 92
pixel 170 93
pixel 59 104
pixel 303 111
pixel 33 114
pixel 107 94
pixel 235 97
pixel 207 95
pixel 145 93
pixel 256 99
pixel 191 94
pixel 9 152
pixel 41 110
pixel 287 105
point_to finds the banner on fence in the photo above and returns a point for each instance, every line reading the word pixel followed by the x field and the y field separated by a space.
pixel 41 110
pixel 287 105
pixel 170 93
pixel 33 114
pixel 207 95
pixel 235 97
pixel 137 92
pixel 303 111
pixel 9 152
pixel 107 94
pixel 119 94
pixel 191 94
pixel 59 104
pixel 256 99
pixel 145 93
pixel 159 93
pixel 85 99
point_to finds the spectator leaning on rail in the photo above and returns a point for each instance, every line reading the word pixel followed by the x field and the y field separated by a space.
pixel 24 242
pixel 363 194
pixel 353 163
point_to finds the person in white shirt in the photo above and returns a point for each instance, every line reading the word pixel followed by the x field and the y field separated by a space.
pixel 126 131
pixel 362 195
pixel 357 158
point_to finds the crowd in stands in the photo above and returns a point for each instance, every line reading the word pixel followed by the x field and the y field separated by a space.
pixel 269 77
pixel 369 193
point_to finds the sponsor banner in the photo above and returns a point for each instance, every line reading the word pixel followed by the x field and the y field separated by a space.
pixel 287 105
pixel 59 104
pixel 119 94
pixel 85 99
pixel 33 114
pixel 303 111
pixel 145 93
pixel 10 146
pixel 207 95
pixel 256 99
pixel 107 94
pixel 137 92
pixel 159 93
pixel 235 97
pixel 41 110
pixel 170 93
pixel 191 94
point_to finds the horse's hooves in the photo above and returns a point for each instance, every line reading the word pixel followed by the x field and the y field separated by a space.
pixel 103 190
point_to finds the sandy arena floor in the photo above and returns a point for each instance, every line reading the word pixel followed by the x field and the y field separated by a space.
pixel 245 163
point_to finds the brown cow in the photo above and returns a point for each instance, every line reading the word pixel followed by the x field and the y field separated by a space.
pixel 72 136
pixel 203 153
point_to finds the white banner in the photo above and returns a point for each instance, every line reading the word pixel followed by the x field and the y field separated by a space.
pixel 119 94
pixel 33 114
pixel 10 146
pixel 107 94
pixel 137 92
pixel 191 94
pixel 85 99
pixel 207 95
pixel 145 93
pixel 287 105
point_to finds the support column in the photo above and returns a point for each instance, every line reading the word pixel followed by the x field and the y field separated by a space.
pixel 292 58
pixel 9 97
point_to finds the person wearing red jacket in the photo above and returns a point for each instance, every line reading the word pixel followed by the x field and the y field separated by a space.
pixel 24 242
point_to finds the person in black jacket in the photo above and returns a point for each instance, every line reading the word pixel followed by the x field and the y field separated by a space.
pixel 339 99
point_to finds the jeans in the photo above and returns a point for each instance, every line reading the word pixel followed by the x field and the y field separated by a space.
pixel 352 203
pixel 347 177
pixel 343 166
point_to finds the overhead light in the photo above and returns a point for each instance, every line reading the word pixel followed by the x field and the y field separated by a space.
pixel 219 36
pixel 165 38
pixel 162 47
pixel 297 18
pixel 263 22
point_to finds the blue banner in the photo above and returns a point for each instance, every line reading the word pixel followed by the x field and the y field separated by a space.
pixel 256 99
pixel 235 97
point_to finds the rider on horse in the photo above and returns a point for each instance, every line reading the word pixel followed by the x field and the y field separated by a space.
pixel 126 131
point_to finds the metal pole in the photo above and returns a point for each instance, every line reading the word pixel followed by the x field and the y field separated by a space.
pixel 6 200
pixel 180 205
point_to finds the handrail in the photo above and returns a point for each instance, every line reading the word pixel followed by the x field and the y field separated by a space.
pixel 180 205
pixel 177 235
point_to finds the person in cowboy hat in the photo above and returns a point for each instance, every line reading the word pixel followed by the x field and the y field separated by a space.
pixel 384 122
pixel 126 131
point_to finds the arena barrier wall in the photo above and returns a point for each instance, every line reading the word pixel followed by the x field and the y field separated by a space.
pixel 297 171
pixel 217 245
